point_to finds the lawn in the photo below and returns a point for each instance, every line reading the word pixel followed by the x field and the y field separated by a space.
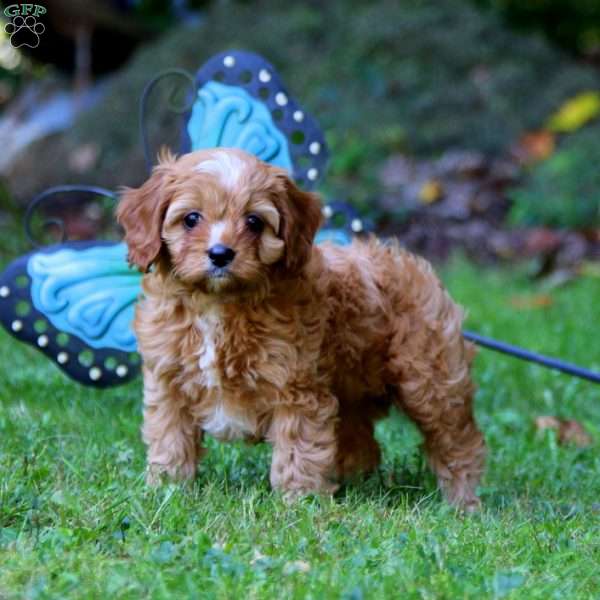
pixel 77 521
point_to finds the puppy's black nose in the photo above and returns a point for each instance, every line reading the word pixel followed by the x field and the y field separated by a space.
pixel 221 255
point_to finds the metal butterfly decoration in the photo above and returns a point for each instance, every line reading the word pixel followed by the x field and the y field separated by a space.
pixel 74 301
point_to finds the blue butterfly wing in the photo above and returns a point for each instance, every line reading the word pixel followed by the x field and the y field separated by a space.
pixel 241 102
pixel 75 303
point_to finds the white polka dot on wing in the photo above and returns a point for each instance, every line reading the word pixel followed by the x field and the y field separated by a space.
pixel 95 373
pixel 356 225
pixel 264 76
pixel 314 148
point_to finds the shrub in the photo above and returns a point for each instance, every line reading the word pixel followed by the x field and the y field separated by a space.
pixel 563 191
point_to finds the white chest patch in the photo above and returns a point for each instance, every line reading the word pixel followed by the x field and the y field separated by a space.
pixel 209 325
pixel 216 419
pixel 225 427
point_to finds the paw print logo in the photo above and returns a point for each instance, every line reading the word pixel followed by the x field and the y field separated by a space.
pixel 24 31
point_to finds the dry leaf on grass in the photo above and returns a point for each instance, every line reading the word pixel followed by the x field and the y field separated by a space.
pixel 535 146
pixel 531 302
pixel 567 430
pixel 542 240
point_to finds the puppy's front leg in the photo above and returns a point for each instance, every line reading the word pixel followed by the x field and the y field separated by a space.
pixel 169 432
pixel 304 445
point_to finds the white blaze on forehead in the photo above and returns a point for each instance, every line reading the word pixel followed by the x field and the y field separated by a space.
pixel 216 234
pixel 225 166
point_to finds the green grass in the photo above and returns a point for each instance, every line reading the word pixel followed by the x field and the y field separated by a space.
pixel 76 520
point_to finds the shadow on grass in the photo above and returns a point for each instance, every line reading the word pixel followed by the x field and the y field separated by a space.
pixel 240 469
pixel 401 483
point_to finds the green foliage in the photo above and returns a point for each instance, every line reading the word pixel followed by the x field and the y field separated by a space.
pixel 573 24
pixel 564 190
pixel 77 521
pixel 163 13
pixel 12 240
pixel 418 76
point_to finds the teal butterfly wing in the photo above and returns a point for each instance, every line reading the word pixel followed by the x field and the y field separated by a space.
pixel 240 101
pixel 74 302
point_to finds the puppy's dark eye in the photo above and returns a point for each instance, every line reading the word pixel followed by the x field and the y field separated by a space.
pixel 255 224
pixel 192 219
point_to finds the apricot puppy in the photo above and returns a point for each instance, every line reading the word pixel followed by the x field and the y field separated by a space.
pixel 248 330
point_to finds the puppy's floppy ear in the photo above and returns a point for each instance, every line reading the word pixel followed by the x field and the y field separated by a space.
pixel 301 217
pixel 141 212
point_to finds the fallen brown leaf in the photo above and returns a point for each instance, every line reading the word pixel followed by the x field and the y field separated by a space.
pixel 536 146
pixel 567 430
pixel 531 302
pixel 542 240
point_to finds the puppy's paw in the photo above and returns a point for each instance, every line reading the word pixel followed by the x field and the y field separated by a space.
pixel 470 506
pixel 157 475
pixel 463 500
pixel 292 495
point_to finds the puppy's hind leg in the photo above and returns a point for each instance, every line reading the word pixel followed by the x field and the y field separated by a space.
pixel 358 452
pixel 442 407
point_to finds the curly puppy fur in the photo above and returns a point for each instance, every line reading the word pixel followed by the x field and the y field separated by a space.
pixel 302 346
